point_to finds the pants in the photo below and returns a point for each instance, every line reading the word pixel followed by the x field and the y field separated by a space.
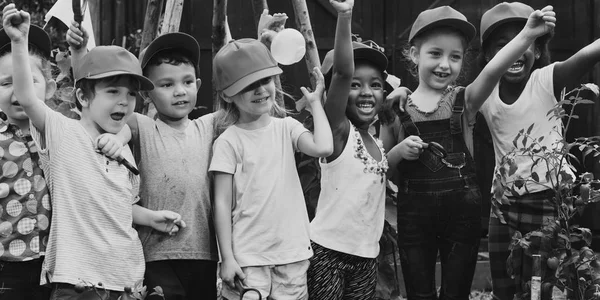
pixel 182 279
pixel 333 275
pixel 21 280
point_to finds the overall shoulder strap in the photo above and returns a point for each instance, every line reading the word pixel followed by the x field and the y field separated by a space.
pixel 457 111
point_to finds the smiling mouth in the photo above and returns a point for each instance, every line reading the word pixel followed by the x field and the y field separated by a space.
pixel 517 66
pixel 441 75
pixel 366 107
pixel 16 103
pixel 260 100
pixel 117 116
pixel 180 103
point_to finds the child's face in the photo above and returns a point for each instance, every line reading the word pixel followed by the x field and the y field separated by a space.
pixel 256 99
pixel 366 94
pixel 175 89
pixel 111 105
pixel 439 59
pixel 9 104
pixel 501 36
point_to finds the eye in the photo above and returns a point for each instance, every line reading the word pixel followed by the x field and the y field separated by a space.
pixel 166 85
pixel 355 85
pixel 456 57
pixel 132 94
pixel 376 84
pixel 189 82
pixel 6 83
pixel 435 53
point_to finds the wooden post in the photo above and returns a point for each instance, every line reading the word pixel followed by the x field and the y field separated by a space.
pixel 151 21
pixel 172 18
pixel 94 8
pixel 303 24
pixel 258 6
pixel 536 277
pixel 220 35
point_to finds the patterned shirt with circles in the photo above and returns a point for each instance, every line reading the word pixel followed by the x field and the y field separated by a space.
pixel 24 199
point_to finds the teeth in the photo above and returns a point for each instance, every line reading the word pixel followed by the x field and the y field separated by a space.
pixel 366 105
pixel 260 100
pixel 517 66
pixel 443 75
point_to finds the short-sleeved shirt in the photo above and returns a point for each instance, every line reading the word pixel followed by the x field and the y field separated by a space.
pixel 24 198
pixel 506 120
pixel 269 218
pixel 92 236
pixel 174 176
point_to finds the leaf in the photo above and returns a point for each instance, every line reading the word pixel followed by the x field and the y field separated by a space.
pixel 592 87
pixel 535 176
pixel 513 169
pixel 158 291
pixel 519 183
pixel 585 101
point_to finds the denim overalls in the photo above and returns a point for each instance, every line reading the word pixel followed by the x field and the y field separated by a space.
pixel 439 209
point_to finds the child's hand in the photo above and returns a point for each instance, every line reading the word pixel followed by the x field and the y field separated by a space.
pixel 397 97
pixel 315 97
pixel 77 37
pixel 110 145
pixel 411 147
pixel 342 6
pixel 541 22
pixel 230 270
pixel 167 221
pixel 16 23
pixel 269 26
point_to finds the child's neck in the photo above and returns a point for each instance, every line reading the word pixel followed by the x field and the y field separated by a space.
pixel 251 122
pixel 178 124
pixel 426 98
pixel 23 124
pixel 509 92
pixel 91 127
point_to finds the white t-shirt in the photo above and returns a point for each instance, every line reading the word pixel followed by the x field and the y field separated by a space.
pixel 91 233
pixel 269 218
pixel 505 121
pixel 351 208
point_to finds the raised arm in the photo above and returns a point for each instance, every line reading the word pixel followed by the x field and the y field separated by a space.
pixel 77 38
pixel 539 23
pixel 320 143
pixel 16 24
pixel 343 66
pixel 568 73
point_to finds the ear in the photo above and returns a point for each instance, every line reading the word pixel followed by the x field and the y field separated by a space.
pixel 414 55
pixel 225 98
pixel 198 83
pixel 537 53
pixel 80 96
pixel 50 88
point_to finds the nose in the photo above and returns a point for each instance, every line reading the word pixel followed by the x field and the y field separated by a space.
pixel 366 90
pixel 259 89
pixel 445 62
pixel 179 90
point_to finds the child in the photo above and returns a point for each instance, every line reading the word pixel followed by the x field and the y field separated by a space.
pixel 174 154
pixel 350 212
pixel 260 215
pixel 524 95
pixel 438 200
pixel 25 202
pixel 91 237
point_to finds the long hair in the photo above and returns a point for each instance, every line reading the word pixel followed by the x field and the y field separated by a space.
pixel 228 114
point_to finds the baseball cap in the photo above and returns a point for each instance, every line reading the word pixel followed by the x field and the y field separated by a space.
pixel 443 16
pixel 361 51
pixel 240 63
pixel 38 37
pixel 174 40
pixel 107 61
pixel 503 13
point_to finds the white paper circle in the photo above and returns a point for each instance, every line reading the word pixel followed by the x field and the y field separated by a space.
pixel 288 46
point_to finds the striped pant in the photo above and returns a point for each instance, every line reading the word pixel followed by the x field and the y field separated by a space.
pixel 334 275
pixel 525 213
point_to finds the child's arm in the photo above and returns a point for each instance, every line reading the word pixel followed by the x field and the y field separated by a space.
pixel 319 144
pixel 410 149
pixel 539 23
pixel 342 70
pixel 77 38
pixel 161 220
pixel 569 72
pixel 112 144
pixel 16 25
pixel 223 199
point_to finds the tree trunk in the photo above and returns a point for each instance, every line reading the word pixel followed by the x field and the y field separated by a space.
pixel 172 18
pixel 220 35
pixel 151 21
pixel 303 24
pixel 257 7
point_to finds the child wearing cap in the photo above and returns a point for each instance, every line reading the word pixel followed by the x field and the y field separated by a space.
pixel 25 210
pixel 524 95
pixel 260 215
pixel 438 198
pixel 177 148
pixel 350 212
pixel 93 209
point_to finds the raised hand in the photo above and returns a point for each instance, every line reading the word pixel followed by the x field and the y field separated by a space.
pixel 541 21
pixel 77 37
pixel 342 6
pixel 270 25
pixel 16 23
pixel 315 96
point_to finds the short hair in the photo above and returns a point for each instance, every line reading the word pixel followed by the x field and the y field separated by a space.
pixel 88 86
pixel 328 77
pixel 46 65
pixel 173 57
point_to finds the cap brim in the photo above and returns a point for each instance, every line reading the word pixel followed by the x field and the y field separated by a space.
pixel 175 40
pixel 145 83
pixel 493 27
pixel 372 55
pixel 37 37
pixel 239 85
pixel 463 26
